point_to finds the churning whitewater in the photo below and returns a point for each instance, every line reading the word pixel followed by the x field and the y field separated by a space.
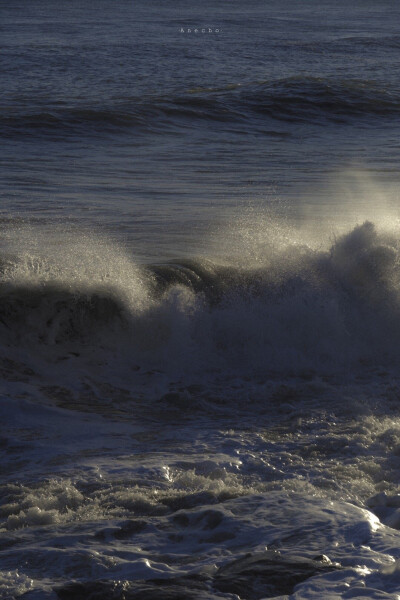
pixel 194 429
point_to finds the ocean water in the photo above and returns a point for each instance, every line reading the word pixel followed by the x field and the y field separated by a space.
pixel 200 300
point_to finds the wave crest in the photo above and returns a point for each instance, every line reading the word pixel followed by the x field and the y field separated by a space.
pixel 305 309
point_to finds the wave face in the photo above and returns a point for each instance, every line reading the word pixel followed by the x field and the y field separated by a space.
pixel 303 310
pixel 293 99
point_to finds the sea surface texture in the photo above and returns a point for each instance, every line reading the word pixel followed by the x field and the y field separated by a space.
pixel 199 300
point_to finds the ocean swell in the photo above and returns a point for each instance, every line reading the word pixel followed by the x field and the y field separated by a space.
pixel 292 99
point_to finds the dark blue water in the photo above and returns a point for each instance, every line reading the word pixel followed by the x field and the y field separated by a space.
pixel 112 116
pixel 199 300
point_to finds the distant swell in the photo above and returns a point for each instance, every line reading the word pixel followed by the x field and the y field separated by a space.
pixel 308 99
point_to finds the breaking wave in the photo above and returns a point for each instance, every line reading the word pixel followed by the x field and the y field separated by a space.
pixel 303 309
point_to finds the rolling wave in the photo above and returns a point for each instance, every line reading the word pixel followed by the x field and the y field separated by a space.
pixel 304 99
